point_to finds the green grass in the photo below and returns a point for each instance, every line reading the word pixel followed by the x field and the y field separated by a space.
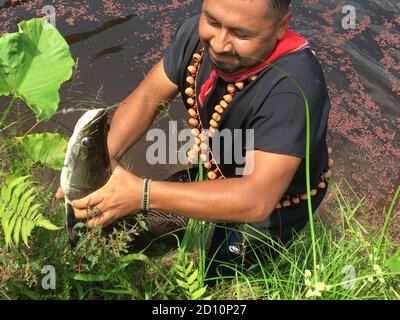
pixel 346 255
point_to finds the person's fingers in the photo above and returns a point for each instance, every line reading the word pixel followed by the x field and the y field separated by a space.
pixel 101 220
pixel 88 212
pixel 91 200
pixel 81 214
pixel 59 193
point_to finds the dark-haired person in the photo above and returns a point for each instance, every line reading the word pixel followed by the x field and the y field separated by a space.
pixel 237 65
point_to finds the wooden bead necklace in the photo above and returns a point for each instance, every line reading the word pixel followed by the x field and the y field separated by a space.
pixel 201 150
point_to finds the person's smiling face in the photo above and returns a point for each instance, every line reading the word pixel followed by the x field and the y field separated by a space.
pixel 238 34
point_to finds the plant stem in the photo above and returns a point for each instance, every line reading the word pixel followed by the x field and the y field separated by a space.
pixel 308 178
pixel 386 223
pixel 308 183
pixel 8 110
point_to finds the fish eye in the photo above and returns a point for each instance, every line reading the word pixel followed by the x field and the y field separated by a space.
pixel 87 142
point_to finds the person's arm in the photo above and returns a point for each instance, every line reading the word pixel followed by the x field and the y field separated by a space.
pixel 251 198
pixel 136 113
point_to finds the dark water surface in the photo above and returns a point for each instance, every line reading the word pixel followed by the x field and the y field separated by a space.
pixel 117 42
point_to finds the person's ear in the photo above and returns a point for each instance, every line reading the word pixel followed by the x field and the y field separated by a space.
pixel 283 25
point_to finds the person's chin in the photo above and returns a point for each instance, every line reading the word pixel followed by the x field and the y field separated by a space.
pixel 223 67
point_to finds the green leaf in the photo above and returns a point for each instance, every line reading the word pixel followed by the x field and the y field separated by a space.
pixel 190 267
pixel 9 229
pixel 25 200
pixel 199 293
pixel 32 211
pixel 17 229
pixel 34 62
pixel 79 225
pixel 9 184
pixel 193 277
pixel 182 284
pixel 179 268
pixel 143 224
pixel 193 287
pixel 181 274
pixel 88 277
pixel 46 224
pixel 18 213
pixel 27 227
pixel 46 148
pixel 28 209
pixel 393 263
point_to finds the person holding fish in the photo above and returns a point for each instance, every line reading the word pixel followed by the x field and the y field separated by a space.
pixel 237 65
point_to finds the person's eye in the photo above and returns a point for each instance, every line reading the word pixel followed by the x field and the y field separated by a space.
pixel 212 23
pixel 241 36
pixel 87 142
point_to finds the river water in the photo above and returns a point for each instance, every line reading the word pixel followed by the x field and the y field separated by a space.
pixel 116 42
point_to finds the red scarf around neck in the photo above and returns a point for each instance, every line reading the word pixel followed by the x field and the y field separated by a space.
pixel 291 42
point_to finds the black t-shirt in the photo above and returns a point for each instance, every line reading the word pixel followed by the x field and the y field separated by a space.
pixel 273 106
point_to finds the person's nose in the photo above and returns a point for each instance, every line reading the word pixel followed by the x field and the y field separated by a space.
pixel 221 43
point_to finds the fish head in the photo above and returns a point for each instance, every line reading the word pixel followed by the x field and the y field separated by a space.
pixel 90 135
pixel 87 161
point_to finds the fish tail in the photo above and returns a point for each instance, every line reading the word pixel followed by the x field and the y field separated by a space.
pixel 70 223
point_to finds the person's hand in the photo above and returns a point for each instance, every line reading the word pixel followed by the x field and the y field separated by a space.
pixel 59 195
pixel 120 196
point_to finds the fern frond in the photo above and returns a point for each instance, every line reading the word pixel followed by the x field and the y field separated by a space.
pixel 26 292
pixel 66 289
pixel 188 279
pixel 19 213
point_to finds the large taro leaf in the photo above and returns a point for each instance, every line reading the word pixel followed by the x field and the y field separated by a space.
pixel 34 62
pixel 46 148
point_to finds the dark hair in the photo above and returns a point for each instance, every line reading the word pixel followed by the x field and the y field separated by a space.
pixel 281 5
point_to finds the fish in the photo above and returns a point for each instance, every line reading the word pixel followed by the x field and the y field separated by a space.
pixel 86 165
pixel 87 168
